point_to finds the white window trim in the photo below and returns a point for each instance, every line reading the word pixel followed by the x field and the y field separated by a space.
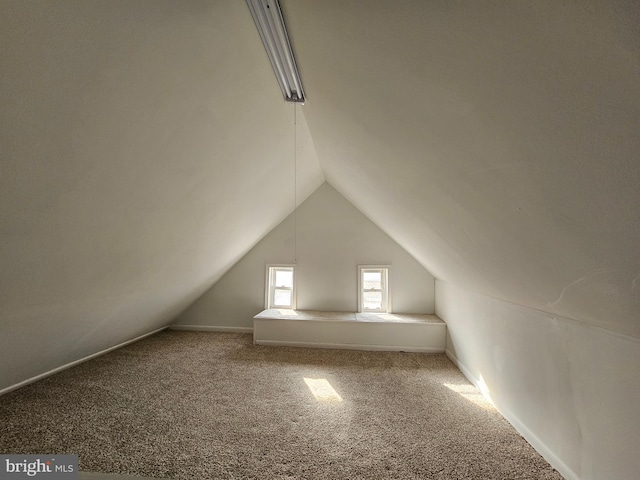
pixel 269 289
pixel 386 292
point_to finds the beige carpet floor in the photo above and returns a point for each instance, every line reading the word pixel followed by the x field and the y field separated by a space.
pixel 109 476
pixel 195 405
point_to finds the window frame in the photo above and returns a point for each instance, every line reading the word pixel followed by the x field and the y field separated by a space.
pixel 270 287
pixel 386 291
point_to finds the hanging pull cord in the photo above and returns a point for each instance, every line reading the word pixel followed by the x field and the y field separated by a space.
pixel 295 184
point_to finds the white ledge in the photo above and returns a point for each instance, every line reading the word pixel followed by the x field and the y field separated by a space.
pixel 350 330
pixel 316 315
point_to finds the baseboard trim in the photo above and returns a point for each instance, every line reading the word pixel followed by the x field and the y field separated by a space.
pixel 349 346
pixel 465 371
pixel 211 328
pixel 75 362
pixel 528 435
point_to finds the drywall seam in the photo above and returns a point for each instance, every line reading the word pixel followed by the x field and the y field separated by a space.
pixel 350 346
pixel 211 328
pixel 76 362
pixel 551 315
pixel 584 278
pixel 528 435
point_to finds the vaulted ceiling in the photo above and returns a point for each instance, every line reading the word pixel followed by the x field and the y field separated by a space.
pixel 146 147
pixel 498 142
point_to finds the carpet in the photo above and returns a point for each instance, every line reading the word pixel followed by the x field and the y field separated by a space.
pixel 200 405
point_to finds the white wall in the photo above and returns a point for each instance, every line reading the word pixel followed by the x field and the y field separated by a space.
pixel 128 185
pixel 572 389
pixel 497 142
pixel 332 239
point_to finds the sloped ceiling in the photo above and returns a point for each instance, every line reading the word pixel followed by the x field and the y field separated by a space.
pixel 145 148
pixel 498 142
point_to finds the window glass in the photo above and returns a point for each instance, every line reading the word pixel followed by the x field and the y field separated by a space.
pixel 284 278
pixel 282 298
pixel 280 289
pixel 373 294
pixel 372 280
pixel 372 301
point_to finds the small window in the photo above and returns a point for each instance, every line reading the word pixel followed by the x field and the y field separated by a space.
pixel 373 289
pixel 280 287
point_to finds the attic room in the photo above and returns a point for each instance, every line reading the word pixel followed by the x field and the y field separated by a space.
pixel 484 155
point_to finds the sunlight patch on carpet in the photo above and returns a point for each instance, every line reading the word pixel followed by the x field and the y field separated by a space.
pixel 471 393
pixel 322 390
